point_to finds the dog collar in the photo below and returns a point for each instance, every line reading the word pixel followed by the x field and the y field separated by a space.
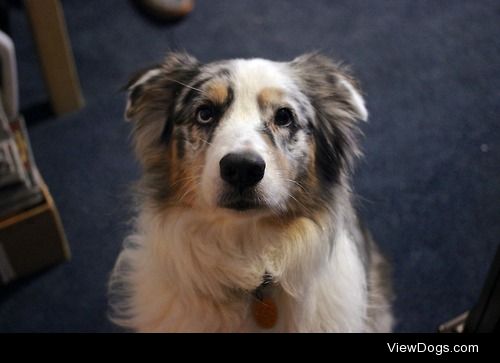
pixel 264 309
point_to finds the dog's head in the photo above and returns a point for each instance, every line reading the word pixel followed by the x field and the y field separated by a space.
pixel 244 135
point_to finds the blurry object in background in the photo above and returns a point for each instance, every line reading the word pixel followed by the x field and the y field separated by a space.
pixel 166 10
pixel 455 325
pixel 9 87
pixel 54 50
pixel 11 170
pixel 484 317
pixel 19 184
pixel 32 240
pixel 31 234
pixel 19 187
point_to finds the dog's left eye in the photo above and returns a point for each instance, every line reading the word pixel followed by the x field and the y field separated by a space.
pixel 205 114
pixel 283 117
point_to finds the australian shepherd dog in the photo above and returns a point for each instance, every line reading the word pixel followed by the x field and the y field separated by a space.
pixel 245 220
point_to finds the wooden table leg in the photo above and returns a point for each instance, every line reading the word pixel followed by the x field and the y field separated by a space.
pixel 56 57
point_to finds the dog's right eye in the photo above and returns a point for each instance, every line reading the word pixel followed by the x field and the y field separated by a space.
pixel 205 114
pixel 283 117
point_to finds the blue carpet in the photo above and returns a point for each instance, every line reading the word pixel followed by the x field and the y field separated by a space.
pixel 429 186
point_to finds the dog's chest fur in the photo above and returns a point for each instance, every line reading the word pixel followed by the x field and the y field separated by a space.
pixel 188 272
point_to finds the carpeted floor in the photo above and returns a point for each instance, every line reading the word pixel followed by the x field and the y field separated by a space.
pixel 429 185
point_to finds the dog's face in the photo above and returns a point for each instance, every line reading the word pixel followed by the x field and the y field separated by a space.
pixel 244 135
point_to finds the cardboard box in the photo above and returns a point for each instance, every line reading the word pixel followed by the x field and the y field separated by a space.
pixel 32 240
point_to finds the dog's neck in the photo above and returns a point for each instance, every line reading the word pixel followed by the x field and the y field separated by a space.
pixel 267 280
pixel 217 257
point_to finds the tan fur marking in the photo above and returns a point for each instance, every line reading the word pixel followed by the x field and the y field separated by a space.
pixel 184 177
pixel 218 92
pixel 270 96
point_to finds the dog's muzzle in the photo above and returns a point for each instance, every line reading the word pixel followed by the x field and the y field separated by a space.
pixel 242 171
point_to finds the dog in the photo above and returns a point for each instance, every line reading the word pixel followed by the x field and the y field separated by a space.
pixel 245 219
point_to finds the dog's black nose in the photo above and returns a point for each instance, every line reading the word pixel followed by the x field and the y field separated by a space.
pixel 242 170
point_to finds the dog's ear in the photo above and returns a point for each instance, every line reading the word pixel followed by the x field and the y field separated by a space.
pixel 338 106
pixel 152 95
pixel 331 82
pixel 136 88
pixel 153 90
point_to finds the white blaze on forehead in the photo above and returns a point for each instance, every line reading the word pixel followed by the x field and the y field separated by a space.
pixel 253 75
pixel 239 128
pixel 250 78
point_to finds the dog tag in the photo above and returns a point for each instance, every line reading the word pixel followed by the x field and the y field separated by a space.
pixel 265 312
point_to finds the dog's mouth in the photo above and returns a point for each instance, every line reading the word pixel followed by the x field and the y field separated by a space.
pixel 240 200
pixel 242 205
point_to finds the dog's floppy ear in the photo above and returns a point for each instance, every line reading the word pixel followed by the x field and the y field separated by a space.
pixel 152 95
pixel 136 86
pixel 329 81
pixel 338 107
pixel 153 90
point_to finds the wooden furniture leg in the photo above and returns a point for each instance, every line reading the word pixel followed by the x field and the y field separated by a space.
pixel 56 57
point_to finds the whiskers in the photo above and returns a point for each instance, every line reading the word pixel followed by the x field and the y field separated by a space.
pixel 205 141
pixel 301 205
pixel 297 184
pixel 185 180
pixel 189 191
pixel 186 85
